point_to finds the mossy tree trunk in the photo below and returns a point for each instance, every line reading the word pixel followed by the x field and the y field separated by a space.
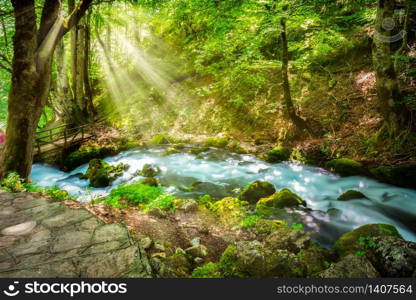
pixel 290 110
pixel 394 112
pixel 31 77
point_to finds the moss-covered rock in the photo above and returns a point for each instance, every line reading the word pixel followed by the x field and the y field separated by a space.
pixel 149 170
pixel 150 181
pixel 350 195
pixel 235 147
pixel 316 259
pixel 351 266
pixel 286 238
pixel 354 241
pixel 230 210
pixel 252 259
pixel 102 174
pixel 404 176
pixel 198 150
pixel 171 151
pixel 216 142
pixel 84 155
pixel 257 190
pixel 161 139
pixel 278 154
pixel 177 265
pixel 284 198
pixel 346 167
pixel 392 256
pixel 210 270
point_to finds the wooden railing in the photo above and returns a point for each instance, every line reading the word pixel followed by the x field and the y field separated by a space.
pixel 62 137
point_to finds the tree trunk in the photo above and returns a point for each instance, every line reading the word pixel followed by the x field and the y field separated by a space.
pixel 33 51
pixel 290 110
pixel 395 114
pixel 87 83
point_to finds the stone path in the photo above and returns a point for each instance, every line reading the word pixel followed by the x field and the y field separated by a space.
pixel 41 238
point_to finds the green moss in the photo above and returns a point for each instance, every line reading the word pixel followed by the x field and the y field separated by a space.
pixel 404 176
pixel 235 147
pixel 85 154
pixel 228 264
pixel 150 181
pixel 346 167
pixel 284 198
pixel 257 190
pixel 149 170
pixel 161 139
pixel 210 270
pixel 278 154
pixel 216 142
pixel 199 150
pixel 170 151
pixel 101 174
pixel 350 195
pixel 230 210
pixel 349 243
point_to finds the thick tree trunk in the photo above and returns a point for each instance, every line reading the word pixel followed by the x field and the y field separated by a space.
pixel 33 51
pixel 23 110
pixel 287 97
pixel 395 114
pixel 87 83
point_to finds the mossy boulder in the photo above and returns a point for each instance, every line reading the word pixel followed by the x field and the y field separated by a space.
pixel 278 154
pixel 150 181
pixel 252 259
pixel 286 238
pixel 346 167
pixel 257 190
pixel 149 170
pixel 392 256
pixel 101 174
pixel 235 147
pixel 216 142
pixel 198 150
pixel 84 155
pixel 351 195
pixel 351 266
pixel 404 176
pixel 161 139
pixel 284 198
pixel 354 241
pixel 210 270
pixel 177 265
pixel 230 210
pixel 171 151
pixel 315 258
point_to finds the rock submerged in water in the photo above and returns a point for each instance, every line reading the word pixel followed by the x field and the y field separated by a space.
pixel 351 195
pixel 101 174
pixel 257 190
pixel 351 242
pixel 149 170
pixel 346 167
pixel 278 154
pixel 285 198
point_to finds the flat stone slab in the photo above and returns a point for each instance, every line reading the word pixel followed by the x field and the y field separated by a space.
pixel 41 238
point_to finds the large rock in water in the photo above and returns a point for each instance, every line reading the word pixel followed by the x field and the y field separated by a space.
pixel 284 198
pixel 351 266
pixel 357 240
pixel 351 195
pixel 40 238
pixel 278 154
pixel 346 167
pixel 102 174
pixel 257 190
